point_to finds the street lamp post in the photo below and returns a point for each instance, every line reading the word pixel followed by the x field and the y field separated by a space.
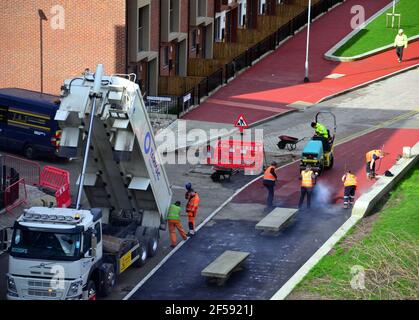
pixel 306 79
pixel 42 17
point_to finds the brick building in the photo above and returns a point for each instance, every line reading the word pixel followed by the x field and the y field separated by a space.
pixel 73 38
pixel 152 38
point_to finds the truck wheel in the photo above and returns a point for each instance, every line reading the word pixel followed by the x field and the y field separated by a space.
pixel 29 152
pixel 108 279
pixel 91 290
pixel 152 241
pixel 142 253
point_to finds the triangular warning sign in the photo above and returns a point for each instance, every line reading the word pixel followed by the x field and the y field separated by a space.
pixel 241 122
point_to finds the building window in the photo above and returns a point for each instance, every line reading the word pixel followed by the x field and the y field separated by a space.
pixel 172 15
pixel 142 29
pixel 217 29
pixel 165 57
pixel 202 8
pixel 194 36
pixel 240 14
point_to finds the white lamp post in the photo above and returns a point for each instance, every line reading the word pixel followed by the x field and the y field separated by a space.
pixel 306 79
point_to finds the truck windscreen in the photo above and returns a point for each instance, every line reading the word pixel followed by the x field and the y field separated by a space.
pixel 36 244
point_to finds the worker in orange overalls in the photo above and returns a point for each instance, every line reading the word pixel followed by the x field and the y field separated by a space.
pixel 173 219
pixel 349 182
pixel 371 158
pixel 269 180
pixel 192 209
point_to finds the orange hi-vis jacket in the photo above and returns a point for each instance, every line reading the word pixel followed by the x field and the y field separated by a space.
pixel 370 154
pixel 193 204
pixel 306 179
pixel 349 179
pixel 268 175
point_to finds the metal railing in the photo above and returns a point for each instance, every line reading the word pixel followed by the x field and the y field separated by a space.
pixel 29 170
pixel 181 104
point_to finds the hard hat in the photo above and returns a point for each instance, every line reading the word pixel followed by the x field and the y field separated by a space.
pixel 400 30
pixel 188 186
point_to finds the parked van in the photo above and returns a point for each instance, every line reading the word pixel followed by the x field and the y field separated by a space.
pixel 27 122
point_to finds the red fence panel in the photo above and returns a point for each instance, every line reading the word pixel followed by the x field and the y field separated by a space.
pixel 28 170
pixel 15 195
pixel 59 181
pixel 236 154
pixel 54 178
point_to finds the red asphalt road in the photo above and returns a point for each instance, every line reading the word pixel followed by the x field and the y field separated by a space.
pixel 266 89
pixel 350 154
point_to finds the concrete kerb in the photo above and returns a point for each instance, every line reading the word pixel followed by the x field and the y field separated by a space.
pixel 334 95
pixel 369 199
pixel 329 54
pixel 362 206
pixel 197 229
pixel 216 211
pixel 233 131
pixel 367 54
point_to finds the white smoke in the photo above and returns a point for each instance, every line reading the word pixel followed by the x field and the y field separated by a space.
pixel 322 195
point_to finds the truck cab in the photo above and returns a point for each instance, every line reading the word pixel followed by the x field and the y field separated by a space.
pixel 59 253
pixel 53 253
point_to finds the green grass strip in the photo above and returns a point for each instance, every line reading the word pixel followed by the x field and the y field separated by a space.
pixel 375 35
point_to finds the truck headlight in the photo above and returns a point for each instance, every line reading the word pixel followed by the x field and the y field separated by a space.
pixel 74 288
pixel 11 285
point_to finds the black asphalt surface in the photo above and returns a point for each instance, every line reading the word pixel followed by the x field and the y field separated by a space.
pixel 273 258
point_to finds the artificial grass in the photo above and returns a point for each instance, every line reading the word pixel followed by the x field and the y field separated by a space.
pixel 375 35
pixel 388 254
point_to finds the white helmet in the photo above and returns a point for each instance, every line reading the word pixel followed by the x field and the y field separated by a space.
pixel 400 31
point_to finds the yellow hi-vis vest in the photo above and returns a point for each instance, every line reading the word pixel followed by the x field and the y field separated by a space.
pixel 321 130
pixel 349 180
pixel 268 175
pixel 174 212
pixel 306 180
pixel 370 154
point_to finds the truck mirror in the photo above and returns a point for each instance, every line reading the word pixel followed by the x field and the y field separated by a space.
pixel 94 244
pixel 4 243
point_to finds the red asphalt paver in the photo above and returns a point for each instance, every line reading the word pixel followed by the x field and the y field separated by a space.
pixel 277 80
pixel 349 155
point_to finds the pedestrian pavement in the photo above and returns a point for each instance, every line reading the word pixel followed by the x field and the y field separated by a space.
pixel 275 84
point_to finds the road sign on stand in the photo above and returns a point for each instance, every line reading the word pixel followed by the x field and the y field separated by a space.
pixel 241 123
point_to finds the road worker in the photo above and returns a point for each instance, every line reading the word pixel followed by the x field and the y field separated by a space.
pixel 269 180
pixel 192 209
pixel 308 180
pixel 321 132
pixel 349 182
pixel 173 219
pixel 371 158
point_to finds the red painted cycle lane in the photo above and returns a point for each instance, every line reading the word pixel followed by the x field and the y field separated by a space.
pixel 276 81
pixel 349 155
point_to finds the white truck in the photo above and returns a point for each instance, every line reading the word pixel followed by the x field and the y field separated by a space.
pixel 77 253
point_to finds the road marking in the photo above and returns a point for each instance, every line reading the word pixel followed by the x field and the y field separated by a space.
pixel 245 105
pixel 341 141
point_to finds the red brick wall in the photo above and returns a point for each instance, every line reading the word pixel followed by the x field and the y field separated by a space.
pixel 210 8
pixel 94 33
pixel 155 25
pixel 184 13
